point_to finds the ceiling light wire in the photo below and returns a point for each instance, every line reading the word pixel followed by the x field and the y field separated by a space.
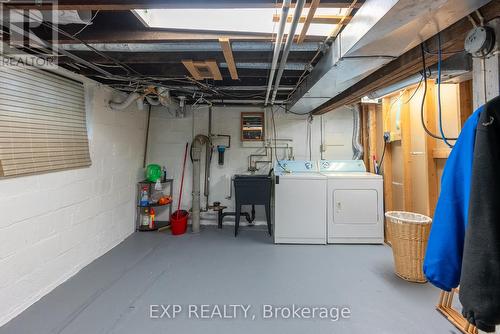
pixel 87 24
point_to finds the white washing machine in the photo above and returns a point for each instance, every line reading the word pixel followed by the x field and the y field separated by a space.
pixel 299 203
pixel 355 203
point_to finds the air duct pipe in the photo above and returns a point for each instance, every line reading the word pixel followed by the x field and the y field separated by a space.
pixel 357 147
pixel 196 148
pixel 133 97
pixel 277 46
pixel 291 35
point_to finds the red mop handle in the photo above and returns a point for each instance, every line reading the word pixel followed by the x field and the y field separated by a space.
pixel 182 179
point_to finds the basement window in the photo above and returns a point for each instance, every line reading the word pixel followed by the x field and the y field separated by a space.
pixel 42 123
pixel 237 20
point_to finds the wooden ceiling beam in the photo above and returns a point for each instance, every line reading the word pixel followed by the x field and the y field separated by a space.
pixel 320 19
pixel 113 5
pixel 310 18
pixel 228 55
pixel 214 69
pixel 192 69
pixel 346 17
pixel 156 35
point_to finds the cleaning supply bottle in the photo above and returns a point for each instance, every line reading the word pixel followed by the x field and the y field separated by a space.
pixel 144 197
pixel 145 217
pixel 164 174
pixel 152 218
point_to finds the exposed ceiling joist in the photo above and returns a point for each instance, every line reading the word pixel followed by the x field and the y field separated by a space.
pixel 113 5
pixel 345 19
pixel 153 35
pixel 309 19
pixel 319 19
pixel 228 55
pixel 189 64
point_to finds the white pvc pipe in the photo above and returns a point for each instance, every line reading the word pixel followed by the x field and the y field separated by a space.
pixel 299 6
pixel 277 46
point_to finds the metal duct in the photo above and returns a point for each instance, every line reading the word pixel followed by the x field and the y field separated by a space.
pixel 379 32
pixel 277 46
pixel 357 146
pixel 299 6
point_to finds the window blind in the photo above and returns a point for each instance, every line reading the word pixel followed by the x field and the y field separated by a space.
pixel 42 123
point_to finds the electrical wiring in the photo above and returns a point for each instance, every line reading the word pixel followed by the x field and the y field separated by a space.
pixel 415 91
pixel 88 24
pixel 409 99
pixel 381 164
pixel 440 114
pixel 291 112
pixel 422 106
pixel 296 113
pixel 51 26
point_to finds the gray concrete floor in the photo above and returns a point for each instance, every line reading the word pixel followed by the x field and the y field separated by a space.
pixel 114 293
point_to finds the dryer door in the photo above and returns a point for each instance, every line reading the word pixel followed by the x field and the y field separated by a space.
pixel 355 212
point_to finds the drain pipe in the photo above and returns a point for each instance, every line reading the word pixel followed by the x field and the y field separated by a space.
pixel 357 147
pixel 277 46
pixel 288 45
pixel 196 148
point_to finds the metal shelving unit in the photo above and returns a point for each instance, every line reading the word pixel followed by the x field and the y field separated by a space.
pixel 168 183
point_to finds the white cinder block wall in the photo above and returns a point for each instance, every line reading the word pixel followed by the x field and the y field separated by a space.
pixel 169 135
pixel 53 225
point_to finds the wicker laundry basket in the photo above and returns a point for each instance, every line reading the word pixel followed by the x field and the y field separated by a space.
pixel 409 233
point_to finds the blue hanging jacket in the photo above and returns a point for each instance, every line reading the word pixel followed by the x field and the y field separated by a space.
pixel 443 259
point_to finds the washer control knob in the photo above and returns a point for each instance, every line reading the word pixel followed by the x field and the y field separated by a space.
pixel 309 165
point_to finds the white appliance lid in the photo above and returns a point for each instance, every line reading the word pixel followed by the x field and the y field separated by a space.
pixel 342 166
pixel 353 175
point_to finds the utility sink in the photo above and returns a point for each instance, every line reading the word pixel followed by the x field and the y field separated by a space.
pixel 253 189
